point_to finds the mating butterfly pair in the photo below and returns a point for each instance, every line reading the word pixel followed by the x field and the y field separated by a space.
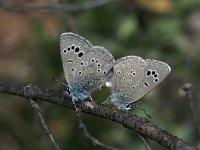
pixel 88 67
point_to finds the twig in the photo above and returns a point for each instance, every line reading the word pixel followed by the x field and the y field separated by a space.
pixel 93 140
pixel 142 125
pixel 41 119
pixel 144 140
pixel 187 89
pixel 63 8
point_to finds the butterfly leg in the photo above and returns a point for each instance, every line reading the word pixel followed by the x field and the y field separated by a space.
pixel 142 109
pixel 127 106
pixel 108 100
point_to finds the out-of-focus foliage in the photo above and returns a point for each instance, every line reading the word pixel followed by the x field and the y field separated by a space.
pixel 166 30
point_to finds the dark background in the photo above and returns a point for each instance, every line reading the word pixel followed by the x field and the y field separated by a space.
pixel 166 30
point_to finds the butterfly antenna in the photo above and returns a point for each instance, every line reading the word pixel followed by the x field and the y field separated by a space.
pixel 73 102
pixel 142 109
pixel 58 81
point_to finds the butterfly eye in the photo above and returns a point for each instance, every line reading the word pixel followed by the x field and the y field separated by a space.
pixel 68 90
pixel 128 106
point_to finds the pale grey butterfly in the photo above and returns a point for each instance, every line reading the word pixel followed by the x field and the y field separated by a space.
pixel 133 78
pixel 86 67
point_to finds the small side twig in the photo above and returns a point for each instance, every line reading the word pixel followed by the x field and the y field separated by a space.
pixel 144 140
pixel 40 117
pixel 187 89
pixel 93 140
pixel 62 8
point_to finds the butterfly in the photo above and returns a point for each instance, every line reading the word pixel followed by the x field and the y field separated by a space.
pixel 134 77
pixel 86 67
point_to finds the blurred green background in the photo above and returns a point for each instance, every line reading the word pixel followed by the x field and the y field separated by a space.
pixel 166 30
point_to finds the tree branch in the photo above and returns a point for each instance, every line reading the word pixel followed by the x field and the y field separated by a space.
pixel 146 144
pixel 186 88
pixel 88 135
pixel 64 8
pixel 41 119
pixel 142 125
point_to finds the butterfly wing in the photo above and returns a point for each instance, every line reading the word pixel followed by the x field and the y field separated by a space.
pixel 85 66
pixel 73 48
pixel 128 72
pixel 155 72
pixel 98 69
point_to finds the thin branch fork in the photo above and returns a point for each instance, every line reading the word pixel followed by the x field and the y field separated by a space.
pixel 40 117
pixel 50 136
pixel 88 135
pixel 142 125
pixel 63 8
